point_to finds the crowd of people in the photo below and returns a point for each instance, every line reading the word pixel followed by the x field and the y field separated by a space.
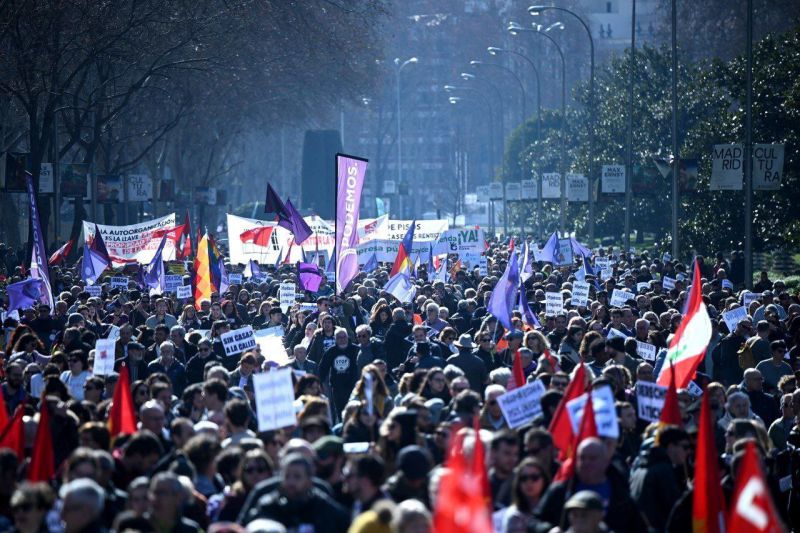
pixel 383 389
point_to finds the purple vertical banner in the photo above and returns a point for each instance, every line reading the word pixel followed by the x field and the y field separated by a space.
pixel 350 179
pixel 39 268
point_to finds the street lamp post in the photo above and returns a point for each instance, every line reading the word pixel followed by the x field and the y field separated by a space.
pixel 629 157
pixel 399 66
pixel 503 170
pixel 514 29
pixel 494 50
pixel 748 155
pixel 536 10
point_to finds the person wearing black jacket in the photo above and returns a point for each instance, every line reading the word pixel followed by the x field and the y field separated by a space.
pixel 396 344
pixel 338 370
pixel 195 368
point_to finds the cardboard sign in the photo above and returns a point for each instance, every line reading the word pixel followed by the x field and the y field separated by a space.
pixel 113 332
pixel 606 274
pixel 522 405
pixel 184 292
pixel 239 340
pixel 172 282
pixel 646 351
pixel 94 290
pixel 605 414
pixel 613 332
pixel 750 297
pixel 483 267
pixel 119 282
pixel 580 294
pixel 650 400
pixel 619 298
pixel 668 283
pixel 274 399
pixel 564 255
pixel 642 286
pixel 733 317
pixel 103 357
pixel 235 279
pixel 553 304
pixel 287 293
pixel 602 262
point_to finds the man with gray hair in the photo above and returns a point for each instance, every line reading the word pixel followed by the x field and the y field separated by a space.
pixel 83 501
pixel 338 370
pixel 738 406
pixel 167 364
pixel 369 349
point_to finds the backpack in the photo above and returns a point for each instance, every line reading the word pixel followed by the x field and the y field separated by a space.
pixel 745 353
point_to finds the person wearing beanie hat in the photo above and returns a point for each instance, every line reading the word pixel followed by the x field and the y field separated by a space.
pixel 411 479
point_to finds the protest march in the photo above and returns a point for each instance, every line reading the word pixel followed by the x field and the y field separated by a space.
pixel 304 376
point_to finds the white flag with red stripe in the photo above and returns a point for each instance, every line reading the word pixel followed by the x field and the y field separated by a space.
pixel 688 346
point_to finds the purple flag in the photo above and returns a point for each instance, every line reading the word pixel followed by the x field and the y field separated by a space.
pixel 350 179
pixel 503 295
pixel 39 268
pixel 309 277
pixel 24 294
pixel 154 272
pixel 95 259
pixel 525 310
pixel 273 203
pixel 293 221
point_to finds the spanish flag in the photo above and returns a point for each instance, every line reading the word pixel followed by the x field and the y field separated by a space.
pixel 402 263
pixel 206 270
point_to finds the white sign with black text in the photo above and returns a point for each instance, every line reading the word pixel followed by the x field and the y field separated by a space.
pixel 274 399
pixel 523 404
pixel 239 340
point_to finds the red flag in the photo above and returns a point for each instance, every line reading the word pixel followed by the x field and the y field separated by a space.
pixel 462 505
pixel 552 360
pixel 517 373
pixel 753 509
pixel 511 246
pixel 671 411
pixel 561 428
pixel 587 429
pixel 260 236
pixel 3 412
pixel 61 254
pixel 122 417
pixel 43 463
pixel 708 508
pixel 13 434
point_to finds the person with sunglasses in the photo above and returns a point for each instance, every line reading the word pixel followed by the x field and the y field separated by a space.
pixel 196 366
pixel 30 504
pixel 528 483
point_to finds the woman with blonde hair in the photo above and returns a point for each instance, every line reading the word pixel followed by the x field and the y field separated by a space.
pixel 536 342
pixel 381 401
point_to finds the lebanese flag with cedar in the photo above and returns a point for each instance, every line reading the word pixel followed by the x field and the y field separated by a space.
pixel 753 509
pixel 688 346
pixel 561 427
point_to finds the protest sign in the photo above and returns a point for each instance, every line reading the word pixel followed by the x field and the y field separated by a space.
pixel 580 293
pixel 459 241
pixel 287 295
pixel 727 284
pixel 235 279
pixel 668 283
pixel 183 292
pixel 614 332
pixel 551 185
pixel 642 286
pixel 767 166
pixel 272 347
pixel 135 241
pixel 274 399
pixel 750 297
pixel 605 413
pixel 238 341
pixel 726 167
pixel 564 255
pixel 95 290
pixel 694 389
pixel 606 274
pixel 113 332
pixel 619 298
pixel 613 179
pixel 733 317
pixel 172 282
pixel 577 188
pixel 602 262
pixel 522 405
pixel 103 357
pixel 646 351
pixel 650 400
pixel 483 267
pixel 553 304
pixel 119 282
